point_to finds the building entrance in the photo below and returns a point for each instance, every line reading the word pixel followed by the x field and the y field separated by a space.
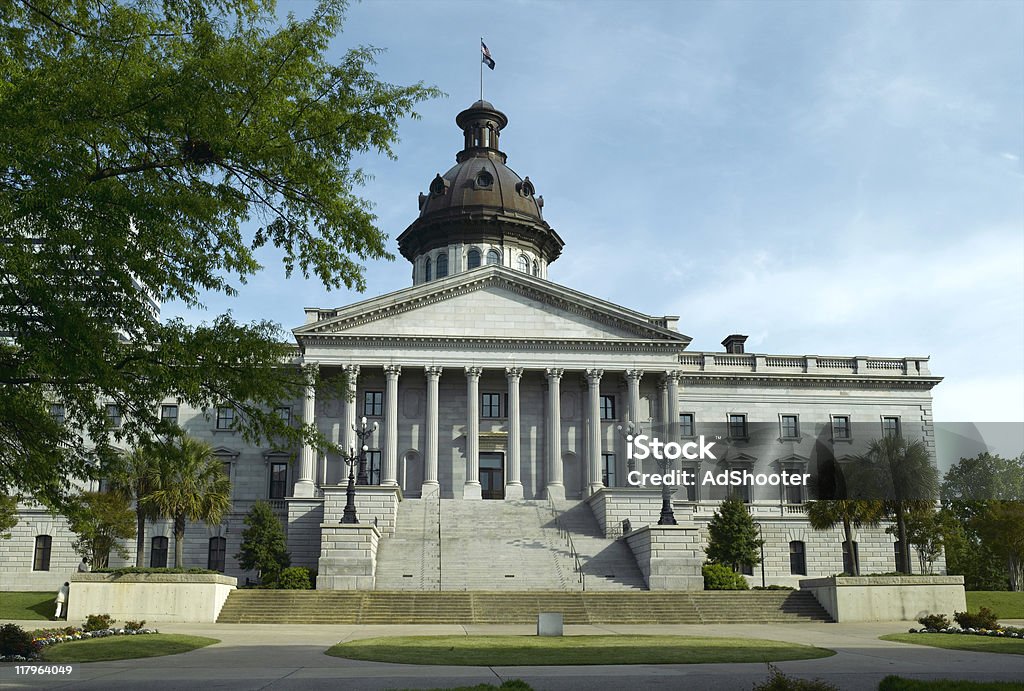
pixel 492 476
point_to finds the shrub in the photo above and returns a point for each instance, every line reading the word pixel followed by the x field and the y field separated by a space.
pixel 777 681
pixel 934 621
pixel 984 618
pixel 295 578
pixel 772 587
pixel 97 622
pixel 720 577
pixel 135 625
pixel 14 640
pixel 145 569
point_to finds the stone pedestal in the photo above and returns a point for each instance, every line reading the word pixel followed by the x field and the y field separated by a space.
pixel 304 518
pixel 612 505
pixel 376 505
pixel 348 557
pixel 669 556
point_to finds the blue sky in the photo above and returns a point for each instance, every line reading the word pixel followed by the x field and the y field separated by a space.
pixel 831 178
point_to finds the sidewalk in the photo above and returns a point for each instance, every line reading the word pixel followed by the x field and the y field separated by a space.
pixel 292 657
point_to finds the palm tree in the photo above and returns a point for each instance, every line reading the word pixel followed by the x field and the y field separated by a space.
pixel 192 486
pixel 826 514
pixel 132 477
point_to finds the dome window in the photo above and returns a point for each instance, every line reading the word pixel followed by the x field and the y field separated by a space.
pixel 523 264
pixel 439 186
pixel 442 265
pixel 484 180
pixel 526 187
pixel 493 257
pixel 473 259
pixel 428 275
pixel 536 269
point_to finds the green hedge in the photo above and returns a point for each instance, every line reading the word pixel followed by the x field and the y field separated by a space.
pixel 720 577
pixel 125 570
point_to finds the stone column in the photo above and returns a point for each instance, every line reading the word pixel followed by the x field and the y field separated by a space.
pixel 430 485
pixel 390 479
pixel 633 377
pixel 513 482
pixel 348 435
pixel 304 485
pixel 663 417
pixel 555 486
pixel 594 432
pixel 673 404
pixel 471 489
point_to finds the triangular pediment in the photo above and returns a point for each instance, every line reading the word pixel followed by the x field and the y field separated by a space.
pixel 490 303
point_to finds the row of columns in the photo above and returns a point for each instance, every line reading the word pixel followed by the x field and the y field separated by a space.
pixel 555 487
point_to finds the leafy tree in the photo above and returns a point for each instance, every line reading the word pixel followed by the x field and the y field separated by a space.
pixel 264 547
pixel 732 536
pixel 926 533
pixel 8 516
pixel 826 514
pixel 1001 526
pixel 137 142
pixel 966 555
pixel 133 477
pixel 191 486
pixel 101 520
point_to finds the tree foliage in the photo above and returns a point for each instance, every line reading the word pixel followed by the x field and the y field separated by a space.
pixel 732 536
pixel 8 516
pixel 102 521
pixel 133 476
pixel 1001 527
pixel 925 532
pixel 826 514
pixel 264 547
pixel 150 150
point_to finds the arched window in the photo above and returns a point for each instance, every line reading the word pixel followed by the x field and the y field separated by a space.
pixel 158 552
pixel 797 558
pixel 442 265
pixel 41 558
pixel 523 264
pixel 536 269
pixel 473 259
pixel 493 257
pixel 215 555
pixel 427 276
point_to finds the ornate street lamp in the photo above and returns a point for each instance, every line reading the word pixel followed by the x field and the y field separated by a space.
pixel 363 432
pixel 668 517
pixel 350 459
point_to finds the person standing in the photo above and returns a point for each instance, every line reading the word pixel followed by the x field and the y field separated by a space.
pixel 62 597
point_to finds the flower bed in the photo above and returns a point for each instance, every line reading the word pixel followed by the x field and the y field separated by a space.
pixel 1002 632
pixel 43 638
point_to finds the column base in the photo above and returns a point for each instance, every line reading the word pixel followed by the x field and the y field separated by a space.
pixel 471 491
pixel 556 492
pixel 513 492
pixel 430 490
pixel 305 489
pixel 594 487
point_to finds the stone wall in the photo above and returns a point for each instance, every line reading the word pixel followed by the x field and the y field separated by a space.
pixel 348 557
pixel 669 557
pixel 613 505
pixel 888 598
pixel 304 519
pixel 152 597
pixel 377 506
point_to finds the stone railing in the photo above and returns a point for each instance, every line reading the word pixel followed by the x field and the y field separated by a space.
pixel 805 364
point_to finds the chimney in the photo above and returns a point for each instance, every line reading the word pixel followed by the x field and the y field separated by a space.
pixel 734 343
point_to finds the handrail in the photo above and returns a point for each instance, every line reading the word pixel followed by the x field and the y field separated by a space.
pixel 564 532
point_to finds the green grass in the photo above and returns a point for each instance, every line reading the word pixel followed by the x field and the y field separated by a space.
pixel 571 650
pixel 893 683
pixel 1005 604
pixel 125 647
pixel 953 641
pixel 509 685
pixel 15 606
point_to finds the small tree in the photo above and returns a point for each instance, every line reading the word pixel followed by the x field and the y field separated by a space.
pixel 732 536
pixel 826 514
pixel 925 532
pixel 264 547
pixel 101 520
pixel 1002 526
pixel 8 516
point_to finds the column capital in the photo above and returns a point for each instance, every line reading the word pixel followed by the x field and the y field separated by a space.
pixel 474 372
pixel 433 371
pixel 513 372
pixel 632 374
pixel 350 370
pixel 671 375
pixel 594 376
pixel 554 373
pixel 392 370
pixel 662 384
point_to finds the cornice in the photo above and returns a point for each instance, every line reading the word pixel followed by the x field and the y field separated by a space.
pixel 810 380
pixel 510 344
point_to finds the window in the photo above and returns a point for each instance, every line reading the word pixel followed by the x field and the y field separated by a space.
pixel 215 554
pixel 607 407
pixel 473 259
pixel 278 480
pixel 490 405
pixel 169 414
pixel 847 561
pixel 840 427
pixel 747 569
pixel 523 264
pixel 41 558
pixel 536 269
pixel 373 467
pixel 158 552
pixel 686 428
pixel 493 257
pixel 373 403
pixel 114 415
pixel 428 276
pixel 890 427
pixel 790 426
pixel 794 493
pixel 442 265
pixel 284 413
pixel 225 417
pixel 797 558
pixel 608 469
pixel 226 467
pixel 57 413
pixel 738 426
pixel 691 488
pixel 741 491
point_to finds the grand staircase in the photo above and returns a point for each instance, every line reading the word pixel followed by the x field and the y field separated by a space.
pixel 449 607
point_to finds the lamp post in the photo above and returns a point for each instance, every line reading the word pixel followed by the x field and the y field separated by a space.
pixel 350 459
pixel 631 430
pixel 363 432
pixel 760 539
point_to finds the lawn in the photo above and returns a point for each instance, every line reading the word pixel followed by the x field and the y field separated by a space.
pixel 981 644
pixel 1005 604
pixel 125 647
pixel 571 650
pixel 893 683
pixel 15 606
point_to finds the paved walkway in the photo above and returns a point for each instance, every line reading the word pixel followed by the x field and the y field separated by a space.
pixel 292 657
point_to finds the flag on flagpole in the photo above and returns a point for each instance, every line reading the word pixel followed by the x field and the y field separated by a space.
pixel 485 55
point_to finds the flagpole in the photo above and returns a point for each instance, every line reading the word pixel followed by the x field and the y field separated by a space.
pixel 481 71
